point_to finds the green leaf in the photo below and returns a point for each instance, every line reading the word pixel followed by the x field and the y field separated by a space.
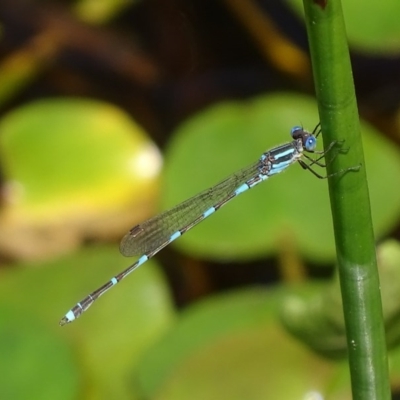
pixel 63 150
pixel 34 362
pixel 72 169
pixel 293 206
pixel 231 347
pixel 106 342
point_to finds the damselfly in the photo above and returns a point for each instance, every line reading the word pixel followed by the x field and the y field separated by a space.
pixel 149 237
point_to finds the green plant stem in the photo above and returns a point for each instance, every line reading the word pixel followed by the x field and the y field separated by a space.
pixel 349 200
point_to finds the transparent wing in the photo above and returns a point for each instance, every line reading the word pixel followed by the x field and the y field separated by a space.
pixel 149 235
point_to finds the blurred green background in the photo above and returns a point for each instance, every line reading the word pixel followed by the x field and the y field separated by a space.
pixel 112 111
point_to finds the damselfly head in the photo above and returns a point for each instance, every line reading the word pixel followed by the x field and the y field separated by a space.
pixel 308 139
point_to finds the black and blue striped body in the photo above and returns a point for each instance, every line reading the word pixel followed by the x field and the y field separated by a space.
pixel 149 237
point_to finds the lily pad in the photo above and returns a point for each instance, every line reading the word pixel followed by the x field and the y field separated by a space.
pixel 36 357
pixel 73 169
pixel 290 207
pixel 97 352
pixel 232 347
